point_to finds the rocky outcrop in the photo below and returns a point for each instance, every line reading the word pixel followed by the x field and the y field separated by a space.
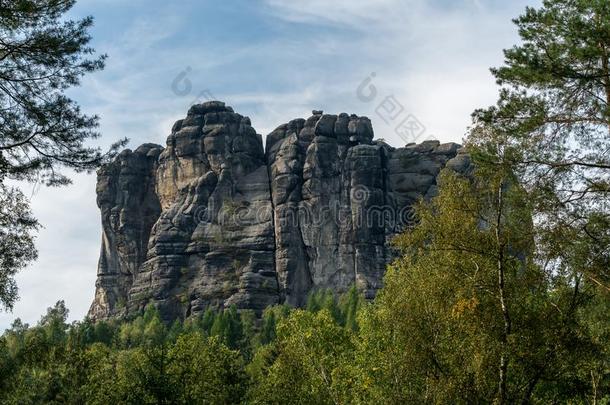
pixel 129 205
pixel 215 220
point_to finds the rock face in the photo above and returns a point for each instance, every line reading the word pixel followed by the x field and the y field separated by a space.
pixel 215 220
pixel 130 207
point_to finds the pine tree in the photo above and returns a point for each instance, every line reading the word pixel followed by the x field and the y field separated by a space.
pixel 553 119
pixel 42 54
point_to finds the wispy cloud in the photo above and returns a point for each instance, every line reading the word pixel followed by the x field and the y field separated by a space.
pixel 357 14
pixel 433 56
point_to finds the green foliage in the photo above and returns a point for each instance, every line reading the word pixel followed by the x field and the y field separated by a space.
pixel 432 335
pixel 438 332
pixel 342 309
pixel 552 125
pixel 205 371
pixel 550 130
pixel 139 361
pixel 43 55
pixel 16 240
pixel 311 349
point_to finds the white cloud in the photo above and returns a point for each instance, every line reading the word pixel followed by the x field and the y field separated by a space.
pixel 351 13
pixel 434 59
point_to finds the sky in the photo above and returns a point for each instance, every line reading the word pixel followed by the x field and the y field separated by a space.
pixel 271 60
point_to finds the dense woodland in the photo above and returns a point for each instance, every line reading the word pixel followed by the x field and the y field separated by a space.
pixel 500 294
pixel 334 351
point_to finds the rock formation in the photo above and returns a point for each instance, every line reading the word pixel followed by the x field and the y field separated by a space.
pixel 213 219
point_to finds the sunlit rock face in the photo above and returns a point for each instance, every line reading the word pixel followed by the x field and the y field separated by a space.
pixel 215 220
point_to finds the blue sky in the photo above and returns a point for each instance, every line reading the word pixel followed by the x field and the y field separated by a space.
pixel 272 60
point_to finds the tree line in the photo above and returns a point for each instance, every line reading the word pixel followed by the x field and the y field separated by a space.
pixel 430 342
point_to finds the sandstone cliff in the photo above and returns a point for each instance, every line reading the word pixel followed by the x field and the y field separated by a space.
pixel 213 219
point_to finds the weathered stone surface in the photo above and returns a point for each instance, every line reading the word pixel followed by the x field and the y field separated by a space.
pixel 215 220
pixel 129 207
pixel 339 198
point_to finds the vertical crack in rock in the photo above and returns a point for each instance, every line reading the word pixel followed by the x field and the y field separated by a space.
pixel 285 159
pixel 214 220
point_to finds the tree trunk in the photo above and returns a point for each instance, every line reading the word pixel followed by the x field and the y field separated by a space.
pixel 605 73
pixel 606 80
pixel 503 368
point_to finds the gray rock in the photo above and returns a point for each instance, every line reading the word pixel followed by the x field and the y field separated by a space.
pixel 326 126
pixel 129 207
pixel 214 220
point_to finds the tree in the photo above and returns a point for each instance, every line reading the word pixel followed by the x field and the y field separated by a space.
pixel 100 386
pixel 205 371
pixel 552 122
pixel 233 330
pixel 146 330
pixel 54 323
pixel 267 330
pixel 466 314
pixel 553 116
pixel 350 303
pixel 16 241
pixel 311 351
pixel 41 56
